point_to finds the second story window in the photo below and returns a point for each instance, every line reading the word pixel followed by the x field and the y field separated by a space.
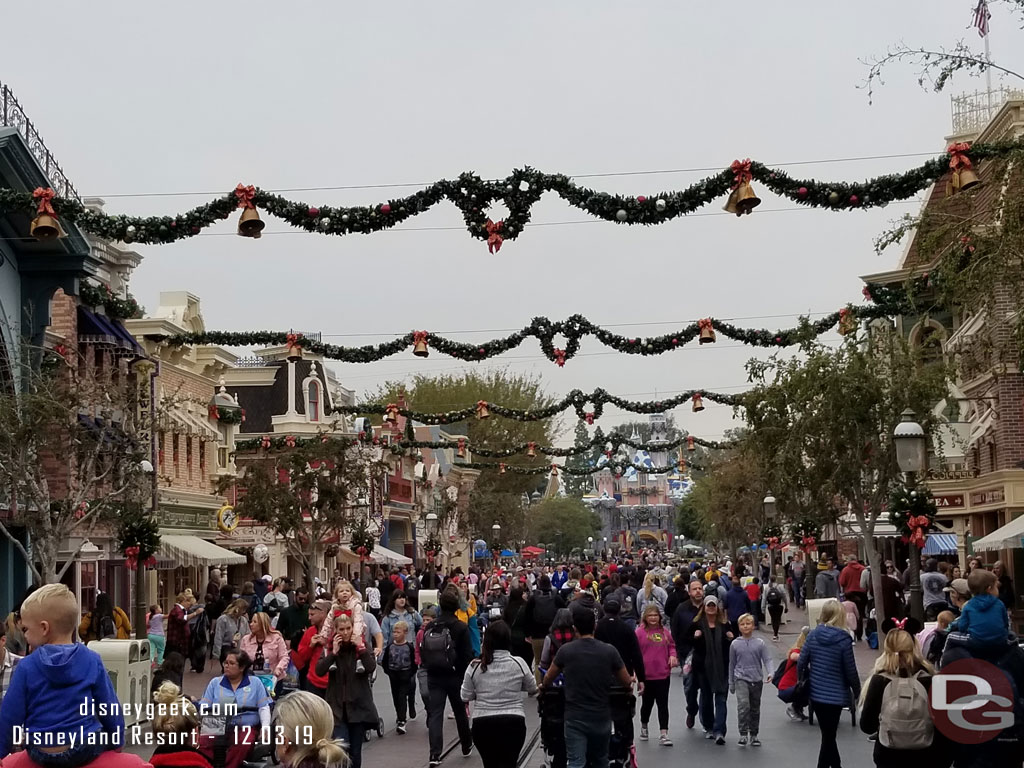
pixel 313 401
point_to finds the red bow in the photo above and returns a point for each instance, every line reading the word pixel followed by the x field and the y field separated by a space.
pixel 589 418
pixel 808 542
pixel 899 623
pixel 265 442
pixel 150 562
pixel 245 194
pixel 741 172
pixel 45 196
pixel 81 510
pixel 131 551
pixel 211 412
pixel 958 158
pixel 293 340
pixel 419 336
pixel 559 357
pixel 705 324
pixel 921 521
pixel 481 404
pixel 494 238
pixel 843 313
pixel 773 542
pixel 290 441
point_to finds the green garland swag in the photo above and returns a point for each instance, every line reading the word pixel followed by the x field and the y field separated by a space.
pixel 616 466
pixel 573 330
pixel 912 512
pixel 113 305
pixel 805 534
pixel 518 191
pixel 361 541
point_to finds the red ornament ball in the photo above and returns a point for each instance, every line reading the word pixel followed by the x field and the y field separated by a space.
pixel 854 200
pixel 802 191
pixel 778 339
pixel 640 198
pixel 482 351
pixel 675 341
pixel 386 208
pixel 314 212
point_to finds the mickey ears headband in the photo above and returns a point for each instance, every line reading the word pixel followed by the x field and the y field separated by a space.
pixel 909 624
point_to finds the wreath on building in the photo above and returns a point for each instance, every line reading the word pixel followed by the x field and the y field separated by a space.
pixel 331 550
pixel 912 512
pixel 362 540
pixel 115 307
pixel 805 534
pixel 772 536
pixel 138 539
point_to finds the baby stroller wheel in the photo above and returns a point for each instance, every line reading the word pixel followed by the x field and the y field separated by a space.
pixel 380 727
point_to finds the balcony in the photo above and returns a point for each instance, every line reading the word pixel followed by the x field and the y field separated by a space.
pixel 12 115
pixel 973 111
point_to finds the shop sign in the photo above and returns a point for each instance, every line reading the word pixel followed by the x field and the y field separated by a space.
pixel 952 474
pixel 950 501
pixel 183 518
pixel 249 536
pixel 989 496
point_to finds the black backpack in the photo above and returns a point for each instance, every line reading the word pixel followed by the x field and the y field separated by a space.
pixel 106 628
pixel 627 602
pixel 774 597
pixel 437 651
pixel 544 609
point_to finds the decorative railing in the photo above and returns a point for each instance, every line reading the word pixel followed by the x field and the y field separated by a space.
pixel 973 111
pixel 12 115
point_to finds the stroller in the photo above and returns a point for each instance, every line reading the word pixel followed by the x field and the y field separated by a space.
pixel 551 708
pixel 621 750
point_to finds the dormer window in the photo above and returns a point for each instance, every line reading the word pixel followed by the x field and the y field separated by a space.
pixel 313 400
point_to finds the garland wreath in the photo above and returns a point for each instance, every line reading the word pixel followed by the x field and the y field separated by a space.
pixel 432 546
pixel 610 442
pixel 518 191
pixel 617 467
pixel 573 329
pixel 139 540
pixel 772 536
pixel 113 305
pixel 912 512
pixel 362 541
pixel 575 399
pixel 805 534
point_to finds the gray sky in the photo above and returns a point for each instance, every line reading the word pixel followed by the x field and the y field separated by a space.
pixel 144 97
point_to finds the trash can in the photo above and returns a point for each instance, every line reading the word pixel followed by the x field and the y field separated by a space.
pixel 128 664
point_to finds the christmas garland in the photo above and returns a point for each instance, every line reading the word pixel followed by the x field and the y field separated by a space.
pixel 805 534
pixel 361 540
pixel 113 305
pixel 518 191
pixel 432 546
pixel 575 399
pixel 772 536
pixel 912 512
pixel 611 442
pixel 226 414
pixel 573 330
pixel 617 467
pixel 138 538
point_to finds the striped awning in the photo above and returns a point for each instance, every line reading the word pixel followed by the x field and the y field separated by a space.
pixel 193 552
pixel 940 544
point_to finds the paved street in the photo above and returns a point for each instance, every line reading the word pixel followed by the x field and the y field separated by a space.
pixel 784 742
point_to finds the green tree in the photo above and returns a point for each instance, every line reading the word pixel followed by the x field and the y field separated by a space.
pixel 566 522
pixel 726 503
pixel 831 414
pixel 688 523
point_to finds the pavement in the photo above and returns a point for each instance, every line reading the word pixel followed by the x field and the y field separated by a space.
pixel 784 742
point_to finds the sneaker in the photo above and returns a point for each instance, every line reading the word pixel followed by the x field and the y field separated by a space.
pixel 743 740
pixel 792 713
pixel 720 740
pixel 775 639
pixel 451 715
pixel 664 740
pixel 467 749
pixel 708 735
pixel 400 727
pixel 643 733
pixel 412 712
pixel 691 720
pixel 754 741
pixel 435 761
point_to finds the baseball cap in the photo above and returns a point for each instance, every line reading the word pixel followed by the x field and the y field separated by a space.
pixel 711 599
pixel 267 577
pixel 612 607
pixel 959 586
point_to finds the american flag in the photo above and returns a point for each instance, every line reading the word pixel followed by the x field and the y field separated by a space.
pixel 981 17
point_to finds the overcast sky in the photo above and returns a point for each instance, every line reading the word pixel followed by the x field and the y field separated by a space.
pixel 194 97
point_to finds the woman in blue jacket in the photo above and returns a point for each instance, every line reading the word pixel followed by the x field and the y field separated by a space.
pixel 827 662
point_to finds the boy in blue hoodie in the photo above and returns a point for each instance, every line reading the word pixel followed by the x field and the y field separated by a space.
pixel 983 618
pixel 60 704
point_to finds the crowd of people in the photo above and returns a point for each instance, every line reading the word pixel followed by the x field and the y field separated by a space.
pixel 581 637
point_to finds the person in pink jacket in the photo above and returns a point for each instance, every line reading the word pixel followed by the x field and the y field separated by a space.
pixel 267 649
pixel 659 654
pixel 346 601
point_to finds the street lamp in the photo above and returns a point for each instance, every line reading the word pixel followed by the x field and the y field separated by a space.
pixel 769 506
pixel 495 533
pixel 911 456
pixel 431 523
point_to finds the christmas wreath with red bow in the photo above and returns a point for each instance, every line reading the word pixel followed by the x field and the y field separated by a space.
pixel 362 540
pixel 805 534
pixel 138 538
pixel 772 536
pixel 432 546
pixel 912 512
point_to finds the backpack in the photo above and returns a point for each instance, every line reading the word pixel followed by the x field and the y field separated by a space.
pixel 905 721
pixel 544 609
pixel 781 670
pixel 627 600
pixel 437 651
pixel 106 628
pixel 774 596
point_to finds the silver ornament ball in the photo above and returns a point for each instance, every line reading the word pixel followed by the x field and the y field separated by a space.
pixel 660 205
pixel 621 215
pixel 325 222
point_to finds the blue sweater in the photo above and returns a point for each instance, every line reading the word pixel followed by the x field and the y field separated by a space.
pixel 984 618
pixel 48 690
pixel 828 653
pixel 736 603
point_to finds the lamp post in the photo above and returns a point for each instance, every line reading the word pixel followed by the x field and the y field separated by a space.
pixel 495 533
pixel 590 545
pixel 768 505
pixel 431 524
pixel 911 456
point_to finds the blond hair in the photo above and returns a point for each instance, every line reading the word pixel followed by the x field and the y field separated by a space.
pixel 945 619
pixel 56 604
pixel 745 617
pixel 344 583
pixel 237 608
pixel 650 580
pixel 176 713
pixel 403 624
pixel 650 608
pixel 832 614
pixel 342 618
pixel 802 638
pixel 263 622
pixel 899 654
pixel 300 711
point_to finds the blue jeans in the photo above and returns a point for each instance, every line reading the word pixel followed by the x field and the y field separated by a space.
pixel 586 743
pixel 79 755
pixel 712 708
pixel 353 734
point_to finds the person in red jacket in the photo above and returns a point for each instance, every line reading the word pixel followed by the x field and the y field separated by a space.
pixel 753 590
pixel 311 648
pixel 849 581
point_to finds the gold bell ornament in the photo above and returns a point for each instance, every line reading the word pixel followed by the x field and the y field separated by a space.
pixel 531 449
pixel 249 223
pixel 742 198
pixel 707 331
pixel 482 411
pixel 501 469
pixel 45 225
pixel 847 322
pixel 690 444
pixel 698 403
pixel 682 466
pixel 461 451
pixel 963 177
pixel 419 341
pixel 391 413
pixel 554 470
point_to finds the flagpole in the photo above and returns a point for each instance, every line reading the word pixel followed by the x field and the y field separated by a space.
pixel 988 76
